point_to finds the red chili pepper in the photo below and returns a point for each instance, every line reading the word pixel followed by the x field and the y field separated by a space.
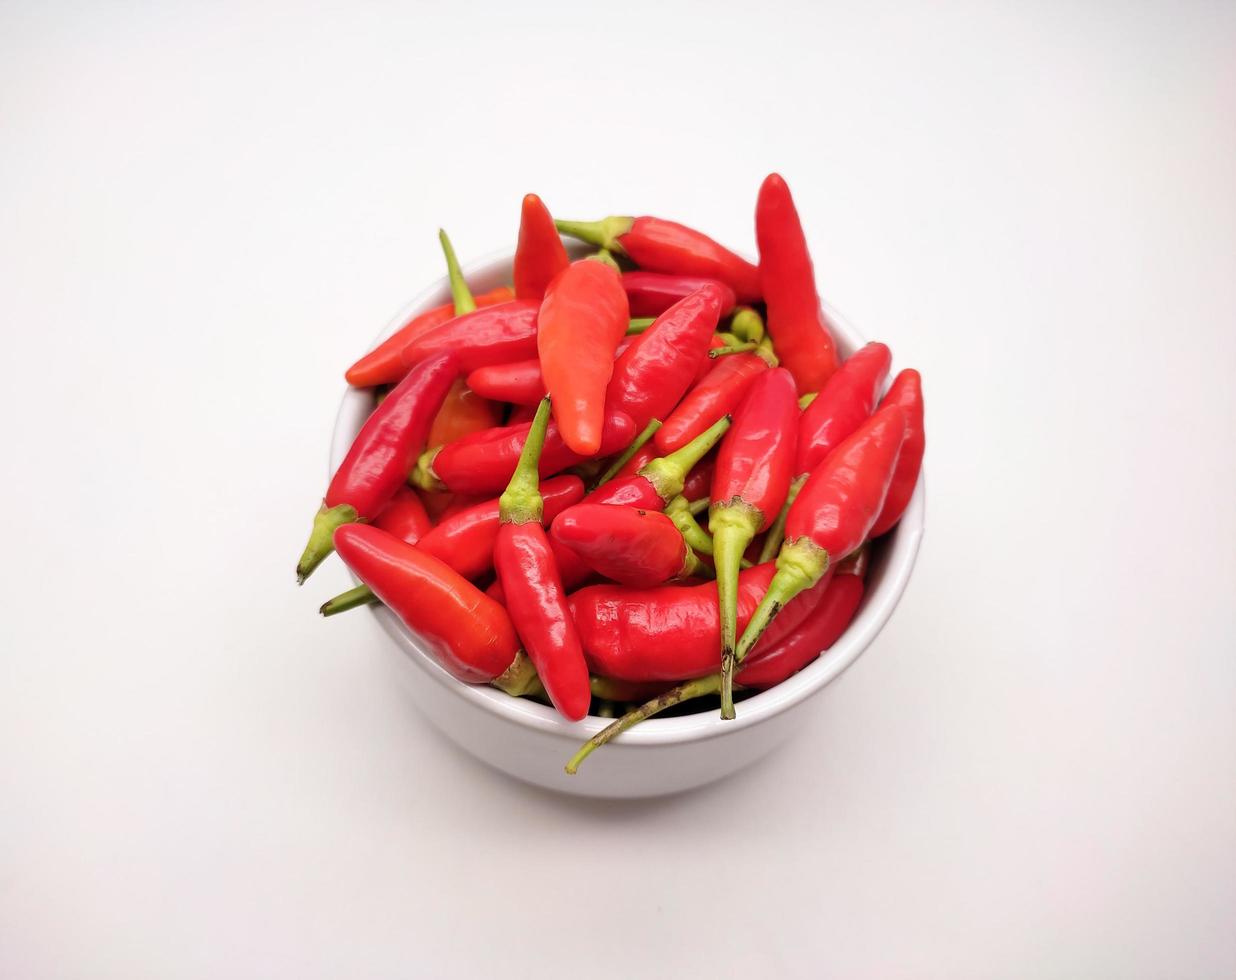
pixel 535 597
pixel 495 335
pixel 719 394
pixel 822 628
pixel 906 391
pixel 630 545
pixel 381 455
pixel 465 541
pixel 666 246
pixel 750 483
pixel 583 318
pixel 485 461
pixel 845 402
pixel 698 483
pixel 632 466
pixel 463 413
pixel 519 382
pixel 540 255
pixel 653 373
pixel 795 320
pixel 832 516
pixel 383 365
pixel 404 516
pixel 652 293
pixel 667 633
pixel 466 631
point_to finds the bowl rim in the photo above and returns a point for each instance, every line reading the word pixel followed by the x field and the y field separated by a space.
pixel 877 609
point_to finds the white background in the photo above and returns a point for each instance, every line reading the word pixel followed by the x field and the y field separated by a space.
pixel 207 211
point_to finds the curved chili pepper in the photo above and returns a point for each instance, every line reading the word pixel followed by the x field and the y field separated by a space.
pixel 718 394
pixel 533 589
pixel 540 255
pixel 832 516
pixel 749 486
pixel 795 320
pixel 378 461
pixel 698 483
pixel 485 461
pixel 906 391
pixel 846 401
pixel 652 293
pixel 630 545
pixel 666 246
pixel 467 632
pixel 462 413
pixel 465 539
pixel 583 318
pixel 495 335
pixel 668 633
pixel 519 382
pixel 819 631
pixel 654 371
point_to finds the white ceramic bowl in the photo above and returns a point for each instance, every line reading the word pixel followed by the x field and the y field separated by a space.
pixel 662 755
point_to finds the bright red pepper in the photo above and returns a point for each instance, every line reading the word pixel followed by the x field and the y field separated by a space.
pixel 632 466
pixel 532 587
pixel 463 413
pixel 666 246
pixel 655 370
pixel 652 293
pixel 381 454
pixel 540 255
pixel 749 486
pixel 495 335
pixel 795 319
pixel 583 318
pixel 519 382
pixel 906 391
pixel 630 545
pixel 383 365
pixel 698 483
pixel 667 633
pixel 832 516
pixel 485 461
pixel 822 628
pixel 845 402
pixel 466 631
pixel 719 394
pixel 465 541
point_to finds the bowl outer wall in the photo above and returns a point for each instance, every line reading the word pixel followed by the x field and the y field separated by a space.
pixel 531 741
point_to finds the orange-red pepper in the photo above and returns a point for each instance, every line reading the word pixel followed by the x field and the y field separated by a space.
pixel 462 413
pixel 540 255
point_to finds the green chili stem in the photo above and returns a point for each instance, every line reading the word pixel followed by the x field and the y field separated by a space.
pixel 628 454
pixel 733 525
pixel 776 533
pixel 605 257
pixel 732 349
pixel 697 507
pixel 521 501
pixel 602 234
pixel 697 688
pixel 805 402
pixel 362 595
pixel 321 538
pixel 747 324
pixel 640 324
pixel 668 474
pixel 460 293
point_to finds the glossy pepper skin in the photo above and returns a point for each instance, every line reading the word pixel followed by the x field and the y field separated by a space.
pixel 749 485
pixel 539 255
pixel 465 540
pixel 907 392
pixel 718 394
pixel 668 633
pixel 405 516
pixel 378 460
pixel 484 462
pixel 653 373
pixel 532 587
pixel 845 402
pixel 802 338
pixel 652 293
pixel 822 628
pixel 519 382
pixel 582 320
pixel 832 516
pixel 462 413
pixel 668 247
pixel 495 335
pixel 629 545
pixel 383 365
pixel 467 632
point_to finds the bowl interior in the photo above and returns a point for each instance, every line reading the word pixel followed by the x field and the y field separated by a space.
pixel 891 565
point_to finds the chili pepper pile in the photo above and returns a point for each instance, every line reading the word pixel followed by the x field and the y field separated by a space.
pixel 630 480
